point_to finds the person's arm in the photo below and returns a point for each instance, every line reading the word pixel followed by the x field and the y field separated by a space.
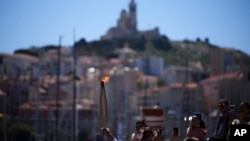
pixel 132 137
pixel 222 132
pixel 108 134
pixel 202 133
pixel 189 132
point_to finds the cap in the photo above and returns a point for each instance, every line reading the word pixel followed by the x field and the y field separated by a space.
pixel 197 115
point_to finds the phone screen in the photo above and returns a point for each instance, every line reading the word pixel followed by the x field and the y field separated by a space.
pixel 232 108
pixel 176 130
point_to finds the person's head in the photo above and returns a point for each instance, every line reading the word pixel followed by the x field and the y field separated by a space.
pixel 223 105
pixel 244 108
pixel 148 134
pixel 140 125
pixel 196 120
pixel 197 115
pixel 176 131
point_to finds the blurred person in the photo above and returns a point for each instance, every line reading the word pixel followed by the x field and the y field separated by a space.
pixel 232 115
pixel 106 132
pixel 244 113
pixel 197 129
pixel 222 128
pixel 148 134
pixel 137 135
pixel 159 136
pixel 175 136
pixel 240 118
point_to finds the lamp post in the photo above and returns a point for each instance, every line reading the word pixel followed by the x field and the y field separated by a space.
pixel 58 85
pixel 74 90
pixel 74 96
pixel 91 74
pixel 4 116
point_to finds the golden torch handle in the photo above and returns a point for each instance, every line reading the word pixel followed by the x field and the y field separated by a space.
pixel 103 106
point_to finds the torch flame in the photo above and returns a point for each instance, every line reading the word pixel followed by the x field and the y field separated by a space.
pixel 105 79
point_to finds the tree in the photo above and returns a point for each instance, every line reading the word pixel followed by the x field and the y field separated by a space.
pixel 206 40
pixel 198 39
pixel 26 51
pixel 16 131
pixel 21 132
pixel 160 82
pixel 139 85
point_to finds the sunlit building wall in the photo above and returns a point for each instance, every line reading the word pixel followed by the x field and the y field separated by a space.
pixel 151 65
pixel 156 65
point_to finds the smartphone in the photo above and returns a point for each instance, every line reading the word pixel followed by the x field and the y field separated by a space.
pixel 176 130
pixel 232 108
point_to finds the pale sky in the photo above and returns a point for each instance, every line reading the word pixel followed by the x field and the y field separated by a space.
pixel 26 23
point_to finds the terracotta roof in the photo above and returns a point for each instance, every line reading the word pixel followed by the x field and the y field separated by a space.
pixel 20 55
pixel 182 85
pixel 27 57
pixel 28 110
pixel 148 78
pixel 42 90
pixel 234 75
pixel 87 103
pixel 191 85
pixel 115 61
pixel 176 85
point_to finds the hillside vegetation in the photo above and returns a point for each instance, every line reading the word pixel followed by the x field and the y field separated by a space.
pixel 192 53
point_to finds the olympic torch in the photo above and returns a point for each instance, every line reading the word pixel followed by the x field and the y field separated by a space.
pixel 104 104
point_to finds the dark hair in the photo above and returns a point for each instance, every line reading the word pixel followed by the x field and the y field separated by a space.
pixel 224 101
pixel 176 129
pixel 247 105
pixel 198 115
pixel 203 124
pixel 140 124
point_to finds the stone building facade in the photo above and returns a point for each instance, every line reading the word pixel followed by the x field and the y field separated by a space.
pixel 127 27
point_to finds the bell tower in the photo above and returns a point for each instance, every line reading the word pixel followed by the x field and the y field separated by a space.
pixel 132 16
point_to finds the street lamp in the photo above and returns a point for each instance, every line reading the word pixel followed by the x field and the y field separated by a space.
pixel 74 79
pixel 74 92
pixel 4 116
pixel 92 75
pixel 58 85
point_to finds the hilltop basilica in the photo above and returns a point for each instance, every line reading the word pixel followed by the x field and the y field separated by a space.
pixel 127 27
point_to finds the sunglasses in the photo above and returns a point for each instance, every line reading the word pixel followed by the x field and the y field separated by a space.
pixel 221 104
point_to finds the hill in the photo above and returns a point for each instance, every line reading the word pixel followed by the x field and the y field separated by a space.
pixel 193 53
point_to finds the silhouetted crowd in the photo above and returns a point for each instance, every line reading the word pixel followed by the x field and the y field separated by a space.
pixel 197 129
